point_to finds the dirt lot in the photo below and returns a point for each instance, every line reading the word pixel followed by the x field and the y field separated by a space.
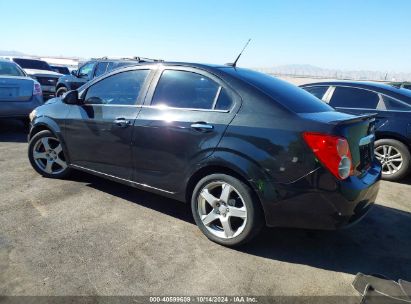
pixel 90 236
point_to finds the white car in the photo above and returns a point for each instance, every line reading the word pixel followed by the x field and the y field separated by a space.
pixel 40 71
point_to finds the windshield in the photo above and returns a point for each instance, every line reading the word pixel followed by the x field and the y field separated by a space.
pixel 287 94
pixel 32 64
pixel 10 69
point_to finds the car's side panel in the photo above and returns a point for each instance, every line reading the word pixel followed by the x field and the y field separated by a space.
pixel 99 135
pixel 96 142
pixel 166 144
pixel 53 121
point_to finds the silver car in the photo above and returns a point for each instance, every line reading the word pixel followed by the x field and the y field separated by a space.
pixel 19 94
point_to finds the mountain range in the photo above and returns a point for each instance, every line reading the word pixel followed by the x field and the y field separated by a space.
pixel 307 70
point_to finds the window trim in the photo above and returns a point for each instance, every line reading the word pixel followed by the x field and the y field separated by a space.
pixel 318 86
pixel 395 99
pixel 327 95
pixel 140 98
pixel 95 68
pixel 380 95
pixel 150 93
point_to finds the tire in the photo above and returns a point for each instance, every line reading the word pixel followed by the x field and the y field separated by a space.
pixel 46 155
pixel 393 168
pixel 239 210
pixel 61 91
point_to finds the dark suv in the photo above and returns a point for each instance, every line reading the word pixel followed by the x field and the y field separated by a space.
pixel 393 121
pixel 92 69
pixel 246 149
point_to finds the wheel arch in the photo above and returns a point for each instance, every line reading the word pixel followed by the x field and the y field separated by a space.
pixel 38 128
pixel 43 124
pixel 389 135
pixel 219 169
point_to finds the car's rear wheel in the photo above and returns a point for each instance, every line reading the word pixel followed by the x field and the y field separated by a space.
pixel 46 155
pixel 226 210
pixel 394 157
pixel 61 91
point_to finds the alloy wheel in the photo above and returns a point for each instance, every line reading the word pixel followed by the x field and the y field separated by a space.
pixel 48 155
pixel 222 210
pixel 390 157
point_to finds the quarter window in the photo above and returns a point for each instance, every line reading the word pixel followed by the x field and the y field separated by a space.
pixel 110 66
pixel 182 89
pixel 394 105
pixel 317 91
pixel 224 101
pixel 345 97
pixel 100 69
pixel 119 89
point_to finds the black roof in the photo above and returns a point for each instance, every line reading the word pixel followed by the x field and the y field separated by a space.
pixel 370 85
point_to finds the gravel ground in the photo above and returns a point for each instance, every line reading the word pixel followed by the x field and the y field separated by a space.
pixel 89 236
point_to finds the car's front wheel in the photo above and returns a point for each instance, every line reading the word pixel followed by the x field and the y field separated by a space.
pixel 46 155
pixel 226 210
pixel 394 157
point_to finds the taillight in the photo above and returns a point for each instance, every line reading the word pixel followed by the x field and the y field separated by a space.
pixel 332 151
pixel 37 89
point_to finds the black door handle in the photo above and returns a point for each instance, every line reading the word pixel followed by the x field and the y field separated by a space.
pixel 121 122
pixel 202 126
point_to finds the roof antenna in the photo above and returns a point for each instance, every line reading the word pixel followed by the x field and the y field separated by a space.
pixel 234 64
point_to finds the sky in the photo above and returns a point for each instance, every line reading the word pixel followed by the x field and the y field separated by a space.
pixel 339 34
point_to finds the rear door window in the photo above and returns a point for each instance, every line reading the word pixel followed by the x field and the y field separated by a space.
pixel 318 91
pixel 347 97
pixel 183 89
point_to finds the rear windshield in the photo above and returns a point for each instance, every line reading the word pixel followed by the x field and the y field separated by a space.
pixel 32 64
pixel 61 70
pixel 10 69
pixel 290 96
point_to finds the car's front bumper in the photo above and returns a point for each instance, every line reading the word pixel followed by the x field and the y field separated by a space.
pixel 319 201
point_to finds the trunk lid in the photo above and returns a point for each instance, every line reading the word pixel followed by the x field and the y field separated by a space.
pixel 358 130
pixel 15 89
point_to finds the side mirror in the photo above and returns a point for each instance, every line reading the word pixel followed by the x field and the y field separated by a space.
pixel 81 75
pixel 74 72
pixel 71 97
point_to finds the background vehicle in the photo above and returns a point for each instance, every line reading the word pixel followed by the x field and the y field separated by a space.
pixel 19 94
pixel 245 148
pixel 92 69
pixel 40 71
pixel 393 121
pixel 403 85
pixel 60 69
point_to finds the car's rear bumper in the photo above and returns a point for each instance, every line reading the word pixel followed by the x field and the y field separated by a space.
pixel 319 201
pixel 17 109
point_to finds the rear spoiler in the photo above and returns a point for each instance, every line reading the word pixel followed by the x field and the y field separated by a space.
pixel 357 118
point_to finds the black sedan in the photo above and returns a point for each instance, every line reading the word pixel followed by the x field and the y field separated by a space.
pixel 244 148
pixel 393 121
